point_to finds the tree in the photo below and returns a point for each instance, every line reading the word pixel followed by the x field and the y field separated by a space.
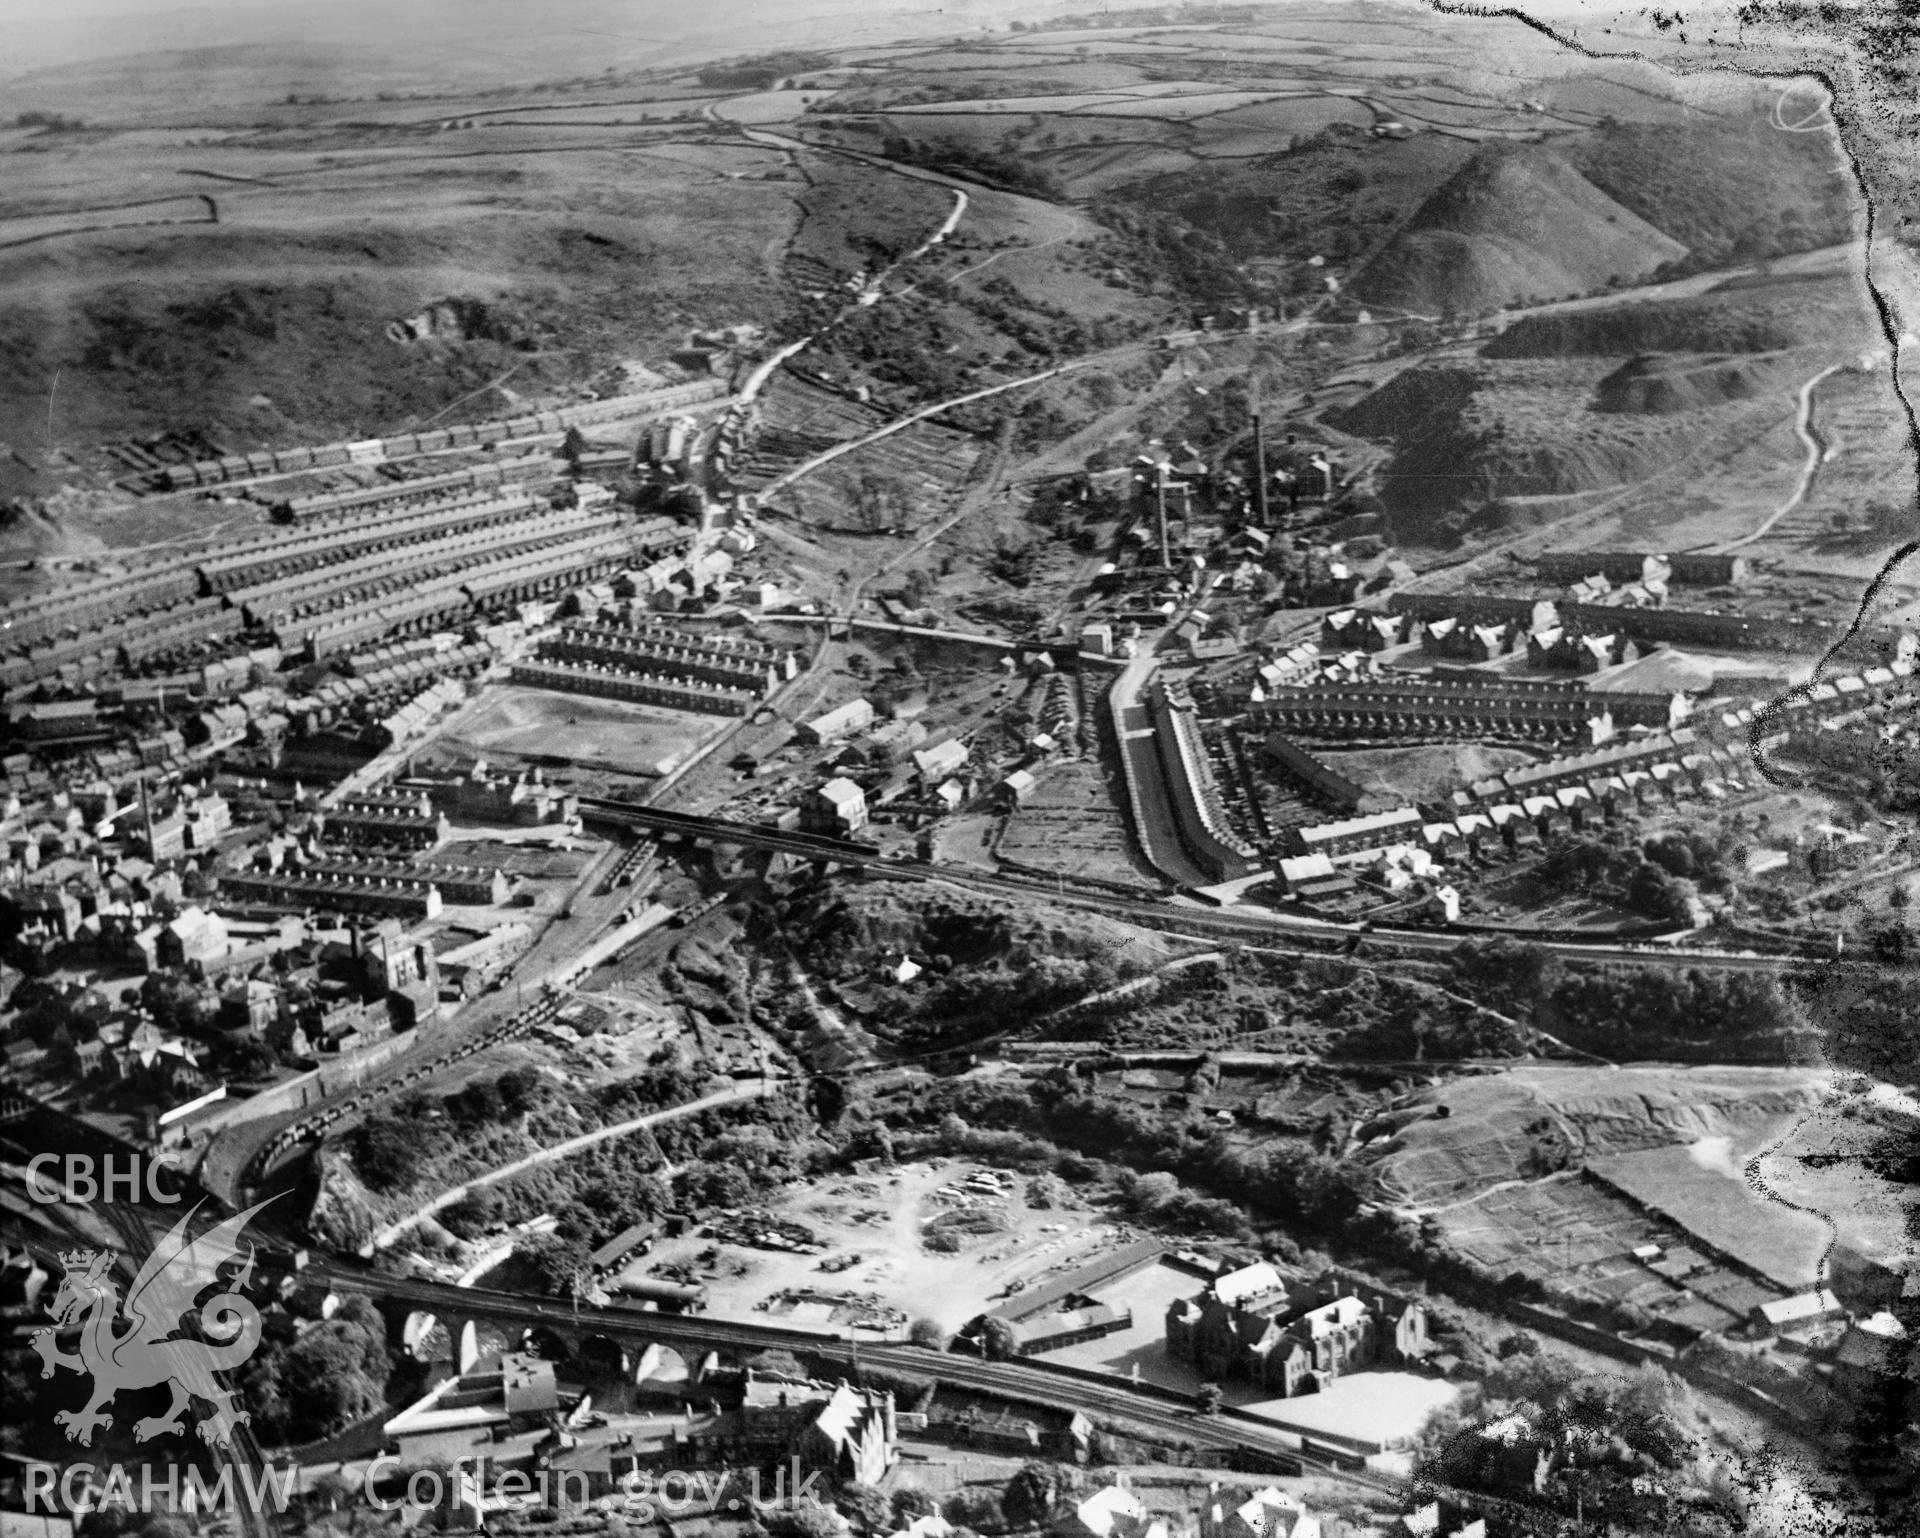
pixel 556 1265
pixel 1209 1399
pixel 866 1507
pixel 777 1364
pixel 332 1376
pixel 1038 1493
pixel 928 1333
pixel 910 1502
pixel 976 1509
pixel 997 1340
pixel 805 1519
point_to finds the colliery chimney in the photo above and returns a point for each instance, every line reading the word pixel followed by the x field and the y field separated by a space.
pixel 1160 510
pixel 1259 464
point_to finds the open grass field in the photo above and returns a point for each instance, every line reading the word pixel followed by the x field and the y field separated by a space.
pixel 269 327
pixel 1426 773
pixel 534 725
pixel 1701 1190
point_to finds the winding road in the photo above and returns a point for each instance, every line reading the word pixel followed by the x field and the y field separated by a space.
pixel 1816 456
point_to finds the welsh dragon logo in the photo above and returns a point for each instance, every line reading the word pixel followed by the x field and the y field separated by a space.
pixel 151 1349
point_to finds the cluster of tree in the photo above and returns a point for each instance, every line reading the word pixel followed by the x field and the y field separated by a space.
pixel 390 1147
pixel 1698 1014
pixel 332 1374
pixel 1867 1015
pixel 1085 1137
pixel 1886 772
pixel 745 1155
pixel 1656 879
pixel 762 72
pixel 48 122
pixel 997 167
pixel 1609 1440
pixel 1013 561
pixel 1189 264
pixel 1727 188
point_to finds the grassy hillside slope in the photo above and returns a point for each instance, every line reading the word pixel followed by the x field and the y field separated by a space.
pixel 1514 225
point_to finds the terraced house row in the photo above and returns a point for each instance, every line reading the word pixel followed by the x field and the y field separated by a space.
pixel 511 546
pixel 144 639
pixel 727 662
pixel 1204 827
pixel 323 509
pixel 1421 707
pixel 286 555
pixel 385 820
pixel 85 605
pixel 462 595
pixel 675 691
pixel 239 467
pixel 272 602
pixel 1704 628
pixel 338 694
pixel 371 886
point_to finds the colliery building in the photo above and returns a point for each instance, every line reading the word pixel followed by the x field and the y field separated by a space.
pixel 1435 708
pixel 675 693
pixel 1198 809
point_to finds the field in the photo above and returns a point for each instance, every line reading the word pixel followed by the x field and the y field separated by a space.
pixel 269 327
pixel 1649 1156
pixel 1701 1190
pixel 1072 825
pixel 1423 774
pixel 536 726
pixel 882 1219
pixel 1495 1123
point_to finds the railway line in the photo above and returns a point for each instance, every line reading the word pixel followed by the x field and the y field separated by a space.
pixel 1250 925
pixel 1046 1384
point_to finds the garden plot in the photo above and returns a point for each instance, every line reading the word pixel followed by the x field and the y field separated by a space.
pixel 1071 826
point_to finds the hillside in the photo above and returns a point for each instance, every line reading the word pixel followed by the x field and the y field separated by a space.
pixel 1729 187
pixel 1659 384
pixel 1817 309
pixel 1467 435
pixel 1514 225
pixel 1494 1122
